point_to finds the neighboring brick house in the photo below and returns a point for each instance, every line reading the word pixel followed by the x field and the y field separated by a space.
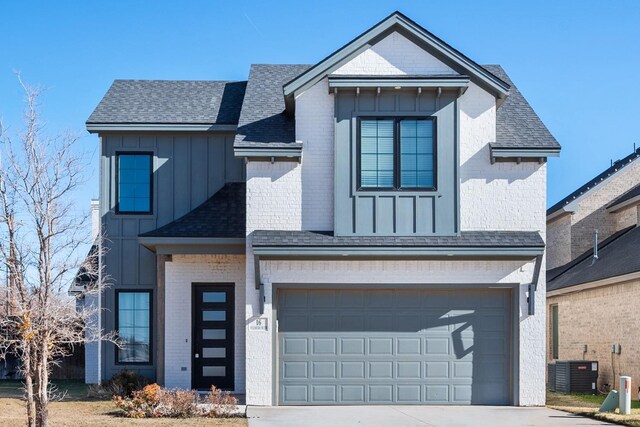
pixel 366 230
pixel 592 298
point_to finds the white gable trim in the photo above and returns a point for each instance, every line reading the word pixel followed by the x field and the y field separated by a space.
pixel 395 22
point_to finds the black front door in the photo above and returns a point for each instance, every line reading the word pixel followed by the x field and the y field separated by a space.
pixel 213 344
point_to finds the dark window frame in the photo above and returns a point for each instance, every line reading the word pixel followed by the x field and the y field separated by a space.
pixel 117 324
pixel 149 154
pixel 397 155
pixel 555 331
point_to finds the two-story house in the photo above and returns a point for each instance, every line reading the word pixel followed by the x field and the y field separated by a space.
pixel 593 276
pixel 369 229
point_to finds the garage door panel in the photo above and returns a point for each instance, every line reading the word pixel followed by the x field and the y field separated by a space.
pixel 324 346
pixel 352 393
pixel 436 393
pixel 350 354
pixel 325 393
pixel 409 346
pixel 352 370
pixel 352 346
pixel 380 346
pixel 409 393
pixel 324 370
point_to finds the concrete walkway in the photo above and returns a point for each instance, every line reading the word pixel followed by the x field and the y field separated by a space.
pixel 399 416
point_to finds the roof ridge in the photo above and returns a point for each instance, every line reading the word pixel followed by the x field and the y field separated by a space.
pixel 601 177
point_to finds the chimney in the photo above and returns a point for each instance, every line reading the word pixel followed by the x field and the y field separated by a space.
pixel 95 218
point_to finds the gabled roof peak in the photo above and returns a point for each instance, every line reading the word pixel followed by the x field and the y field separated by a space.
pixel 417 34
pixel 603 176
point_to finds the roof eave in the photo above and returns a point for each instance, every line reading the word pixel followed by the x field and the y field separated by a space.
pixel 95 127
pixel 523 154
pixel 559 213
pixel 255 153
pixel 398 252
pixel 578 287
pixel 194 245
pixel 624 204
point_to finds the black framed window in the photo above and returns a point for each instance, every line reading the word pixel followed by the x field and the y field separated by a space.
pixel 397 153
pixel 555 331
pixel 133 323
pixel 134 186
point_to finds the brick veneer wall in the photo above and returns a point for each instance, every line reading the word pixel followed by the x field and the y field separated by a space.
pixel 600 317
pixel 590 214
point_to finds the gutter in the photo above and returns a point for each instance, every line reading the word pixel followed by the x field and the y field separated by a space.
pixel 397 252
pixel 159 127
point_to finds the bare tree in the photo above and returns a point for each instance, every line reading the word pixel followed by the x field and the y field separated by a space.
pixel 42 232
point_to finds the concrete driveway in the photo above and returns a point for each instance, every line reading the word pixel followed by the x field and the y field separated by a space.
pixel 398 416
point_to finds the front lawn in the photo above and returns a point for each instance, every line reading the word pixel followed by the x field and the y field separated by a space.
pixel 587 405
pixel 77 410
pixel 72 389
pixel 100 413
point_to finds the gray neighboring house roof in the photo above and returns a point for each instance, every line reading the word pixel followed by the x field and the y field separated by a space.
pixel 263 122
pixel 615 167
pixel 86 274
pixel 617 256
pixel 480 239
pixel 517 124
pixel 631 194
pixel 170 102
pixel 220 216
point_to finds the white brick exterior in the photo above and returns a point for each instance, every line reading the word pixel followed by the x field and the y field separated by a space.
pixel 502 196
pixel 274 202
pixel 315 128
pixel 179 276
pixel 394 55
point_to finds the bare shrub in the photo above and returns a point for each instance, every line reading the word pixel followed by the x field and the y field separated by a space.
pixel 154 402
pixel 222 403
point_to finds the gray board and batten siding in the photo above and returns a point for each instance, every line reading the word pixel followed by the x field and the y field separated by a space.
pixel 396 213
pixel 188 168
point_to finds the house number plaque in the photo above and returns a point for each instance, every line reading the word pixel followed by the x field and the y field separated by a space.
pixel 260 324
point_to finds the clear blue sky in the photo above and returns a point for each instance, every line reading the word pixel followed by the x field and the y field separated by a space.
pixel 575 61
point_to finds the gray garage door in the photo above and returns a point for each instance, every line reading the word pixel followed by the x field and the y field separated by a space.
pixel 394 346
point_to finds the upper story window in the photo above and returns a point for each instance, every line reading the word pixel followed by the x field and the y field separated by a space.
pixel 134 183
pixel 397 154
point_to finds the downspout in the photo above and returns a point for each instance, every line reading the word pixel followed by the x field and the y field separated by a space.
pixel 533 286
pixel 259 286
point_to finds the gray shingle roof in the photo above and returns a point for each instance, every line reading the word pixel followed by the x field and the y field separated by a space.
pixel 615 167
pixel 494 239
pixel 517 125
pixel 87 273
pixel 222 215
pixel 262 119
pixel 170 102
pixel 634 192
pixel 616 256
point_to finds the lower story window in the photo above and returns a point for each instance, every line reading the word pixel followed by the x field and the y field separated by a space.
pixel 134 326
pixel 555 331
